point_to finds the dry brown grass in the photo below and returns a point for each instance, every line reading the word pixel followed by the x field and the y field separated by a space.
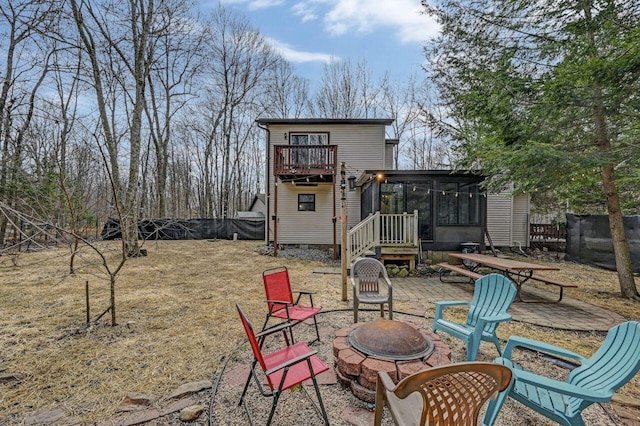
pixel 597 286
pixel 176 316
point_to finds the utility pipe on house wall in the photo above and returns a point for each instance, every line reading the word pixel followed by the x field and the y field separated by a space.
pixel 343 223
pixel 266 183
pixel 275 218
pixel 335 241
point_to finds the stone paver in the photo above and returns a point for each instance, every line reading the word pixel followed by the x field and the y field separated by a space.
pixel 569 314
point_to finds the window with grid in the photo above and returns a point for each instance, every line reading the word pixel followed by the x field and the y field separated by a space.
pixel 306 202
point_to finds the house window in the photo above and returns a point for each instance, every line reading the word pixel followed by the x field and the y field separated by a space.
pixel 309 138
pixel 458 204
pixel 306 202
pixel 308 155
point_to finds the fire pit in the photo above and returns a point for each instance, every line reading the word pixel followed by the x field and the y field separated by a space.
pixel 396 347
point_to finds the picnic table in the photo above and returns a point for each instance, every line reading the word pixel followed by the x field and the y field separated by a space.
pixel 519 272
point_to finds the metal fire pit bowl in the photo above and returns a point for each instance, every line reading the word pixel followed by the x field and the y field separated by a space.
pixel 392 340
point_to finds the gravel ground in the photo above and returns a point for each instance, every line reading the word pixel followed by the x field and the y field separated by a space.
pixel 294 407
pixel 302 254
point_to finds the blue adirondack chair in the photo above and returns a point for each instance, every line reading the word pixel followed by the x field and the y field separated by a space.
pixel 492 297
pixel 614 364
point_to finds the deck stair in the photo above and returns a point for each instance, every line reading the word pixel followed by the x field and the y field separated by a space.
pixel 393 236
pixel 400 253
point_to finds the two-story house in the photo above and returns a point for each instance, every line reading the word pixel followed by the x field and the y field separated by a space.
pixel 303 175
pixel 387 210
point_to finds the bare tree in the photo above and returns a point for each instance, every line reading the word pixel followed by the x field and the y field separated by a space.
pixel 287 95
pixel 177 61
pixel 118 39
pixel 239 58
pixel 346 91
pixel 402 103
pixel 25 64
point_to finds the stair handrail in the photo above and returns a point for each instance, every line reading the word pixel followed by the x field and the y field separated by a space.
pixel 363 237
pixel 367 234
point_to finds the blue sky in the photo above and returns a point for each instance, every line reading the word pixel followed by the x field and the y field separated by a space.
pixel 388 34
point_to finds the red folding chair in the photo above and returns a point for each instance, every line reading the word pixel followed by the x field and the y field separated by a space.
pixel 280 300
pixel 283 368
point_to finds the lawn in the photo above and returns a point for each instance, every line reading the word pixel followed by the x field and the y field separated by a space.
pixel 176 321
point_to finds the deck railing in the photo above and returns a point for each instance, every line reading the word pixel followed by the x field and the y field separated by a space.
pixel 399 229
pixel 382 230
pixel 305 159
pixel 540 231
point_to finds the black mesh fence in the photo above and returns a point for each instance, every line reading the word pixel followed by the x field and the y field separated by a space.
pixel 191 229
pixel 589 240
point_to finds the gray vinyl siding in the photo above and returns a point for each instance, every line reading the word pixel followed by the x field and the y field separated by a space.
pixel 361 147
pixel 499 208
pixel 388 157
pixel 309 227
pixel 520 221
pixel 508 219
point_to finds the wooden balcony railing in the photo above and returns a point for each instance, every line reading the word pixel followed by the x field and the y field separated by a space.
pixel 296 160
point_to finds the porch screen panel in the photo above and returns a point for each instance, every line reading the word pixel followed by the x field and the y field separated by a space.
pixel 392 202
pixel 392 198
pixel 419 198
pixel 458 204
pixel 447 204
pixel 468 206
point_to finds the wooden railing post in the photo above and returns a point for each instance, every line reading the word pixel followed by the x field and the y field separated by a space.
pixel 343 226
pixel 415 227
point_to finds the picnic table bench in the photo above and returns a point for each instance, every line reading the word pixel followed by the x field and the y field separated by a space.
pixel 460 270
pixel 519 272
pixel 551 281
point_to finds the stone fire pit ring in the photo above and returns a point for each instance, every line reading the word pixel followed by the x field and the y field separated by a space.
pixel 358 371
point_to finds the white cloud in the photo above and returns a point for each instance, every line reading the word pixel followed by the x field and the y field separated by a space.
pixel 255 4
pixel 305 11
pixel 264 4
pixel 401 18
pixel 292 55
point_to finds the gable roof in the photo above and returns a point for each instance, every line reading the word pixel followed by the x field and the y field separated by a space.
pixel 256 198
pixel 379 121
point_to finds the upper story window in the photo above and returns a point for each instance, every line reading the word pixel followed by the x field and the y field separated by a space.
pixel 309 156
pixel 309 139
pixel 458 204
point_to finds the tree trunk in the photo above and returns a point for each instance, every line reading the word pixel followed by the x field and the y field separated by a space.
pixel 621 250
pixel 112 287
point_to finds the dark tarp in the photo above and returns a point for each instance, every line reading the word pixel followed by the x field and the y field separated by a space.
pixel 191 229
pixel 589 240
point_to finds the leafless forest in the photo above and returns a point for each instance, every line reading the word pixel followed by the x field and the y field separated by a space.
pixel 146 109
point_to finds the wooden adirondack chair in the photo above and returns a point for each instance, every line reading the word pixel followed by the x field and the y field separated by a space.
pixel 449 395
pixel 366 274
pixel 283 368
pixel 615 363
pixel 280 300
pixel 492 297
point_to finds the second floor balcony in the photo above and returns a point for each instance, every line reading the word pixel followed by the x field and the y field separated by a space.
pixel 318 163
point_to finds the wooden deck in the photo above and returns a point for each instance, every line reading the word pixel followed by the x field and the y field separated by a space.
pixel 400 253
